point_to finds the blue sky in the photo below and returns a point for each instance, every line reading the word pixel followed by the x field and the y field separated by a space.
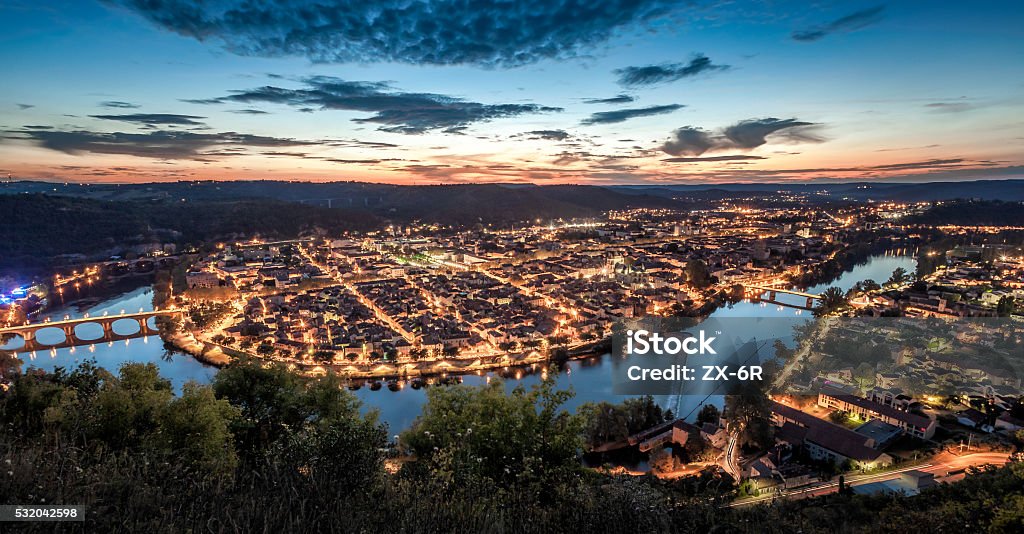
pixel 451 91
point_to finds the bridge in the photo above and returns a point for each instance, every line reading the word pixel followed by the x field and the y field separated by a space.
pixel 756 291
pixel 28 331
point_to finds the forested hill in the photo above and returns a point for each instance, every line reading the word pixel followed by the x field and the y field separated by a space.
pixel 37 227
pixel 971 213
pixel 445 204
pixel 92 220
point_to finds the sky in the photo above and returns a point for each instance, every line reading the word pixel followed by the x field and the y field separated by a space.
pixel 538 91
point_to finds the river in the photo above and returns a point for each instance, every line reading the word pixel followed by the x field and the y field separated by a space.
pixel 589 378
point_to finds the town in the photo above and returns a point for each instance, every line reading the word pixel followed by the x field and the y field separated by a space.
pixel 871 388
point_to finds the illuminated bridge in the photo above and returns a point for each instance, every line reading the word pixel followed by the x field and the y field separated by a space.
pixel 757 291
pixel 28 331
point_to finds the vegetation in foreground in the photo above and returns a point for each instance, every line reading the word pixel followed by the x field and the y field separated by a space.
pixel 264 450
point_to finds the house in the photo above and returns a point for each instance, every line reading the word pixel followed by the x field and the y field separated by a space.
pixel 916 425
pixel 1006 421
pixel 972 418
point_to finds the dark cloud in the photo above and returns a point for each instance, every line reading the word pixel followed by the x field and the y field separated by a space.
pixel 930 164
pixel 666 72
pixel 849 23
pixel 744 135
pixel 711 158
pixel 352 161
pixel 617 99
pixel 550 135
pixel 622 115
pixel 154 119
pixel 25 106
pixel 249 111
pixel 118 104
pixel 160 144
pixel 395 111
pixel 356 143
pixel 440 32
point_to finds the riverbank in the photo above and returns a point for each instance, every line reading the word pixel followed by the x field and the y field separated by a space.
pixel 220 356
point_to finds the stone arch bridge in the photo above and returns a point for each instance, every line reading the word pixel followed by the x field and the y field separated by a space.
pixel 28 331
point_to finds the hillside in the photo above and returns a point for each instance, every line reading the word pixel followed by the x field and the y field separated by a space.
pixel 38 227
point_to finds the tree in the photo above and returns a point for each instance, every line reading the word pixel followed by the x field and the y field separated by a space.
pixel 831 300
pixel 749 413
pixel 865 375
pixel 709 413
pixel 782 352
pixel 899 277
pixel 870 285
pixel 697 274
pixel 196 427
pixel 472 437
pixel 1006 306
pixel 839 417
pixel 605 422
pixel 126 410
pixel 269 400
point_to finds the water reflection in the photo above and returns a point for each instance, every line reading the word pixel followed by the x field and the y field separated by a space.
pixel 178 367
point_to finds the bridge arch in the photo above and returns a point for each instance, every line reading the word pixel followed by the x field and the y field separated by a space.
pixel 89 332
pixel 15 342
pixel 126 326
pixel 49 336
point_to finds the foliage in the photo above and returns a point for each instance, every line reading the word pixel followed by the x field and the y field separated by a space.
pixel 749 413
pixel 709 413
pixel 605 422
pixel 832 299
pixel 324 470
pixel 206 314
pixel 697 274
pixel 482 437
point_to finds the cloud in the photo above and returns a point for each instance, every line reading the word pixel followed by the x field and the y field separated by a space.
pixel 160 144
pixel 439 32
pixel 550 135
pixel 711 158
pixel 666 72
pixel 744 135
pixel 25 106
pixel 154 119
pixel 249 111
pixel 949 107
pixel 118 104
pixel 352 161
pixel 622 115
pixel 852 22
pixel 395 111
pixel 617 99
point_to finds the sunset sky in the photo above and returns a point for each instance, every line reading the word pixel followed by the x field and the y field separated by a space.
pixel 543 91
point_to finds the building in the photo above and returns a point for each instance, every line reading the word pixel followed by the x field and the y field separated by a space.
pixel 201 279
pixel 908 484
pixel 823 440
pixel 916 425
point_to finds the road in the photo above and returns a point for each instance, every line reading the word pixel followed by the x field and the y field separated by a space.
pixel 730 464
pixel 803 352
pixel 941 466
